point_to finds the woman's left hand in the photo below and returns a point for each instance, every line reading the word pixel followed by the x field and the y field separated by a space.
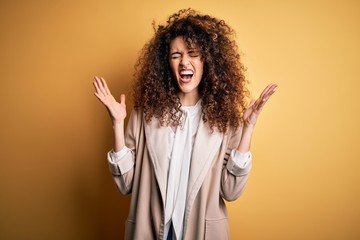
pixel 252 112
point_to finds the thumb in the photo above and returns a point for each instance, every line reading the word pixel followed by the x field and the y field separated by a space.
pixel 251 103
pixel 122 99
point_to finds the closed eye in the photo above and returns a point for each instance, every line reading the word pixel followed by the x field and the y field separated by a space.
pixel 175 55
pixel 193 53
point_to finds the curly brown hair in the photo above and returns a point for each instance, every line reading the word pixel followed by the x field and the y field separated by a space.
pixel 222 87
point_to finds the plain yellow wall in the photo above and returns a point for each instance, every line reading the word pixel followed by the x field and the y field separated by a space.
pixel 54 134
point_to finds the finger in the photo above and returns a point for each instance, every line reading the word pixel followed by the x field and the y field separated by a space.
pixel 272 87
pixel 255 106
pixel 96 85
pixel 101 86
pixel 260 105
pixel 265 98
pixel 270 92
pixel 99 92
pixel 251 103
pixel 268 89
pixel 122 99
pixel 269 95
pixel 265 91
pixel 97 80
pixel 98 96
pixel 105 86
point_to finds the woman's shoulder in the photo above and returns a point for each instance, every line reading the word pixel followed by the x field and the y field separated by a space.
pixel 137 116
pixel 231 131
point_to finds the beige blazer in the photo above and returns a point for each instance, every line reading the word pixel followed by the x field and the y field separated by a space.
pixel 214 176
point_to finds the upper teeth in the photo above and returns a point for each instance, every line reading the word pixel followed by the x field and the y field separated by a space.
pixel 186 72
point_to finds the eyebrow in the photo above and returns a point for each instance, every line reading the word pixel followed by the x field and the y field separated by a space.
pixel 177 52
pixel 193 50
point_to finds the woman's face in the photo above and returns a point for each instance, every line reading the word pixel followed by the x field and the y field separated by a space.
pixel 187 68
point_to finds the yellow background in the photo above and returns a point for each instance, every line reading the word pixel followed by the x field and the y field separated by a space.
pixel 54 134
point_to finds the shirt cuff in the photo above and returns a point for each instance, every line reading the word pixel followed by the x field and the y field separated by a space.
pixel 120 162
pixel 241 159
pixel 117 156
pixel 239 164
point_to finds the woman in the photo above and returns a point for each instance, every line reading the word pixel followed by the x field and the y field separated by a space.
pixel 187 144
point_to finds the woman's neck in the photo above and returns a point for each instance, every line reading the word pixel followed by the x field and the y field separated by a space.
pixel 189 99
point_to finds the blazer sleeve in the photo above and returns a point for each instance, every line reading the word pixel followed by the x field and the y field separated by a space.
pixel 234 176
pixel 123 169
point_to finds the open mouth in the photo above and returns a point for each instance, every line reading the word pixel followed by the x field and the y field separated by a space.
pixel 186 75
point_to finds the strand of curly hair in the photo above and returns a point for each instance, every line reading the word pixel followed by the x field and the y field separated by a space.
pixel 222 88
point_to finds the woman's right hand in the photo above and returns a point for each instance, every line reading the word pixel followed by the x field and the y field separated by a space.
pixel 117 111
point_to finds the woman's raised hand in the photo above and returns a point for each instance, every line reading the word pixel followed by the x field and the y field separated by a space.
pixel 252 112
pixel 117 111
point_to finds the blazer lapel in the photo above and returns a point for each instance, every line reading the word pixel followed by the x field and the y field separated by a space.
pixel 206 145
pixel 157 144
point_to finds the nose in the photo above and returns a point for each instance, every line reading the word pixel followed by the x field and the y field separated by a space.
pixel 184 61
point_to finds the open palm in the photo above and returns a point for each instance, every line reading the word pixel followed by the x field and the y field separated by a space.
pixel 252 112
pixel 116 110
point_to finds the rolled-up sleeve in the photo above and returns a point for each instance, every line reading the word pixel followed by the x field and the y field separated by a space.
pixel 236 169
pixel 122 163
pixel 239 164
pixel 118 162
